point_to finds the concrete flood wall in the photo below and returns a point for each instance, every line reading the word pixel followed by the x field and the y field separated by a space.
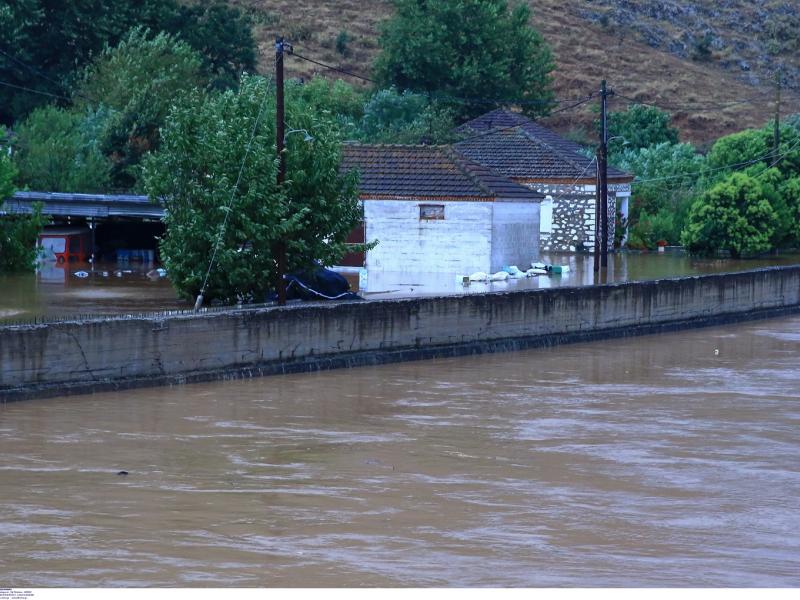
pixel 115 353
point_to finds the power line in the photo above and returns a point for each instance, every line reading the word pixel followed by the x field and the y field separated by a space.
pixel 228 211
pixel 695 107
pixel 769 155
pixel 46 77
pixel 491 131
pixel 440 95
pixel 332 68
pixel 33 91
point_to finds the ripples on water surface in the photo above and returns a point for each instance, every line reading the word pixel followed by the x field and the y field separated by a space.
pixel 642 462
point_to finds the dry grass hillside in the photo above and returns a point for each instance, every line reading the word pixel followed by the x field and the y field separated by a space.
pixel 699 60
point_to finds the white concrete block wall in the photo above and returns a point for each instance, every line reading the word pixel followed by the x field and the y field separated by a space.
pixel 460 243
pixel 515 234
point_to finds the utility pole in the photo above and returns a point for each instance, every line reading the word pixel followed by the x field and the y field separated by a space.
pixel 597 229
pixel 602 167
pixel 777 140
pixel 280 135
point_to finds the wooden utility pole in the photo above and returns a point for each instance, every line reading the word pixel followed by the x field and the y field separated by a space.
pixel 602 167
pixel 601 195
pixel 777 136
pixel 597 229
pixel 280 135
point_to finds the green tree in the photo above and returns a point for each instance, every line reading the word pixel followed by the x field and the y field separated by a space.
pixel 223 37
pixel 8 172
pixel 668 179
pixel 473 54
pixel 58 150
pixel 391 117
pixel 756 147
pixel 204 153
pixel 139 80
pixel 18 233
pixel 789 190
pixel 735 215
pixel 639 127
pixel 45 43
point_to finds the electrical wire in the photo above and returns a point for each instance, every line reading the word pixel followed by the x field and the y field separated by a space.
pixel 694 107
pixel 332 68
pixel 440 95
pixel 47 77
pixel 769 155
pixel 221 233
pixel 517 125
pixel 33 91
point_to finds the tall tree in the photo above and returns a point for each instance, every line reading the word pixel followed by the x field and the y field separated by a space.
pixel 138 81
pixel 475 55
pixel 207 148
pixel 44 43
pixel 58 150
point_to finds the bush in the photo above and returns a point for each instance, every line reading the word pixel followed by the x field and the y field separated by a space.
pixel 638 127
pixel 735 216
pixel 18 236
pixel 341 43
pixel 391 117
pixel 58 151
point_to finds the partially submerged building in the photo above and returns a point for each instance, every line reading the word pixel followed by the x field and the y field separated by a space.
pixel 536 157
pixel 432 209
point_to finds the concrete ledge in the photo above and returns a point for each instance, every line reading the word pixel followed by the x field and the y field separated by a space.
pixel 92 355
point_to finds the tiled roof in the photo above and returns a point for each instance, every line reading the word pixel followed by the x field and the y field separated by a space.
pixel 517 147
pixel 428 172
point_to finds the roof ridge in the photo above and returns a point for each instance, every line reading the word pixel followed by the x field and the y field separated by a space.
pixel 460 161
pixel 557 151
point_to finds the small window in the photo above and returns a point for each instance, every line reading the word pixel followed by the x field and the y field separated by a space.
pixel 431 212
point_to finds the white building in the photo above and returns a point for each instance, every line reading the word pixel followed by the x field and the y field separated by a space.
pixel 536 157
pixel 433 210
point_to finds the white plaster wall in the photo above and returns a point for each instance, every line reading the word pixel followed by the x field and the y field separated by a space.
pixel 458 244
pixel 515 234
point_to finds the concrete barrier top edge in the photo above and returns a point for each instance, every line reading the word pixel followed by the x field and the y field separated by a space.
pixel 225 312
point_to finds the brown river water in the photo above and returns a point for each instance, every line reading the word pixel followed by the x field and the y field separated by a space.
pixel 668 460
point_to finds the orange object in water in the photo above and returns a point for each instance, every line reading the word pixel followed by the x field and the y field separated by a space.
pixel 66 244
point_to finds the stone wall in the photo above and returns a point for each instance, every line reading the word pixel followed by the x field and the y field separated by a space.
pixel 574 218
pixel 100 354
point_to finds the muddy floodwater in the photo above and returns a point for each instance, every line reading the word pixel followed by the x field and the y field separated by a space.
pixel 669 460
pixel 59 290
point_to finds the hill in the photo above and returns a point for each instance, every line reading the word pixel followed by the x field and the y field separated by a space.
pixel 710 62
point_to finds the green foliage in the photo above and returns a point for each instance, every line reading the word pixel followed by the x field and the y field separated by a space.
pixel 756 147
pixel 638 127
pixel 404 118
pixel 18 235
pixel 701 47
pixel 735 215
pixel 465 51
pixel 8 172
pixel 341 43
pixel 222 35
pixel 672 177
pixel 58 150
pixel 204 145
pixel 49 41
pixel 337 99
pixel 139 80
